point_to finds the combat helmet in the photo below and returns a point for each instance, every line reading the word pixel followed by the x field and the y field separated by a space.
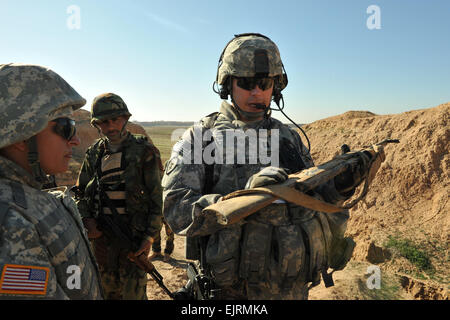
pixel 250 55
pixel 30 97
pixel 107 106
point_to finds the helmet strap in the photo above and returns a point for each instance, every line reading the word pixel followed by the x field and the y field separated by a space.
pixel 124 131
pixel 33 160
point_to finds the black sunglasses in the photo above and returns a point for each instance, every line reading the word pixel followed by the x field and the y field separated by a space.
pixel 249 83
pixel 65 127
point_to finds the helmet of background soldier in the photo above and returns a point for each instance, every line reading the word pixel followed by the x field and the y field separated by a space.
pixel 107 106
pixel 239 59
pixel 30 97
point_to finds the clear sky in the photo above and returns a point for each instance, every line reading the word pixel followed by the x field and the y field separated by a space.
pixel 161 56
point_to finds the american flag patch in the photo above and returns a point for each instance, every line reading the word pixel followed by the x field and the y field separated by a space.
pixel 18 279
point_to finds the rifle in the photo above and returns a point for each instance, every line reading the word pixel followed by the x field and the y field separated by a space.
pixel 242 203
pixel 126 243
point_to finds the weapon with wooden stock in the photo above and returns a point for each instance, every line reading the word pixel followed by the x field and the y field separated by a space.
pixel 242 203
pixel 106 221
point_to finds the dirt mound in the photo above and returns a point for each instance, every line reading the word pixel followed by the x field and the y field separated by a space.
pixel 347 116
pixel 409 199
pixel 412 186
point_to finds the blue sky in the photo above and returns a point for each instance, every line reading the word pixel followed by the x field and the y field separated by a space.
pixel 161 56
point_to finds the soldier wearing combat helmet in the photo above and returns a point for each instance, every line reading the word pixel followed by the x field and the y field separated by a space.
pixel 281 250
pixel 120 177
pixel 43 241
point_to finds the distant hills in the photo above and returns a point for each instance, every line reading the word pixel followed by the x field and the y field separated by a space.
pixel 178 124
pixel 165 123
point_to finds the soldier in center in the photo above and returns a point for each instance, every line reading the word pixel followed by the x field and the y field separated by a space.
pixel 120 177
pixel 280 251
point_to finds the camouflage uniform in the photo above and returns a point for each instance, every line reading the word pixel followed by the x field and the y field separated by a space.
pixel 274 253
pixel 41 232
pixel 137 179
pixel 170 238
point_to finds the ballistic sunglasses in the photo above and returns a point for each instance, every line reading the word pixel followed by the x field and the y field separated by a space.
pixel 65 127
pixel 249 83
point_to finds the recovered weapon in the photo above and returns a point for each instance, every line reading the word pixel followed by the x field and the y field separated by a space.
pixel 242 203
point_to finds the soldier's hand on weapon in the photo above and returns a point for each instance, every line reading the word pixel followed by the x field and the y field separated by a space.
pixel 267 176
pixel 145 247
pixel 91 226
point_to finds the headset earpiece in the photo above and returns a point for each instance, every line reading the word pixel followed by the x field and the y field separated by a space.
pixel 224 91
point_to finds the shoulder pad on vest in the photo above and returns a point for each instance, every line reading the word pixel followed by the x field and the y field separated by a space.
pixel 139 138
pixel 209 120
pixel 100 142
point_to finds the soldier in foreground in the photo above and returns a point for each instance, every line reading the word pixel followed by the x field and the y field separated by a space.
pixel 44 249
pixel 280 251
pixel 120 178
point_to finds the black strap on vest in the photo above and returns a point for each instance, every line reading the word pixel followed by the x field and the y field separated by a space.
pixel 3 211
pixel 4 207
pixel 18 194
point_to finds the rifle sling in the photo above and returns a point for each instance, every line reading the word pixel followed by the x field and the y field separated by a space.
pixel 292 195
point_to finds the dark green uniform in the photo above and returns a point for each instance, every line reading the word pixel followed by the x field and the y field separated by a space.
pixel 130 176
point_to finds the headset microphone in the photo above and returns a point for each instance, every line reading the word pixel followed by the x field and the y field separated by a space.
pixel 260 106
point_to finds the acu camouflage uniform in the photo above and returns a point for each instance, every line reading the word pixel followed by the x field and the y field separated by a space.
pixel 38 229
pixel 276 252
pixel 137 174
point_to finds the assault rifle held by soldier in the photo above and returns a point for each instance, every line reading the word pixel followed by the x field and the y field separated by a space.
pixel 242 203
pixel 107 223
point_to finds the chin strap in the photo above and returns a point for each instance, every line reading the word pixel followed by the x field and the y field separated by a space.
pixel 33 160
pixel 123 131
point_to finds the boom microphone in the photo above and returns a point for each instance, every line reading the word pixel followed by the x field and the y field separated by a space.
pixel 260 106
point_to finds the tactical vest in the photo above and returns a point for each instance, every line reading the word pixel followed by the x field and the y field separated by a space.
pixel 110 173
pixel 61 232
pixel 137 198
pixel 281 243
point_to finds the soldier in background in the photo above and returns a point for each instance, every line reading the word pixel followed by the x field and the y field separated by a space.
pixel 44 249
pixel 280 251
pixel 127 168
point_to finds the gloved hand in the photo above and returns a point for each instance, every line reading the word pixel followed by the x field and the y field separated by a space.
pixel 267 176
pixel 91 226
